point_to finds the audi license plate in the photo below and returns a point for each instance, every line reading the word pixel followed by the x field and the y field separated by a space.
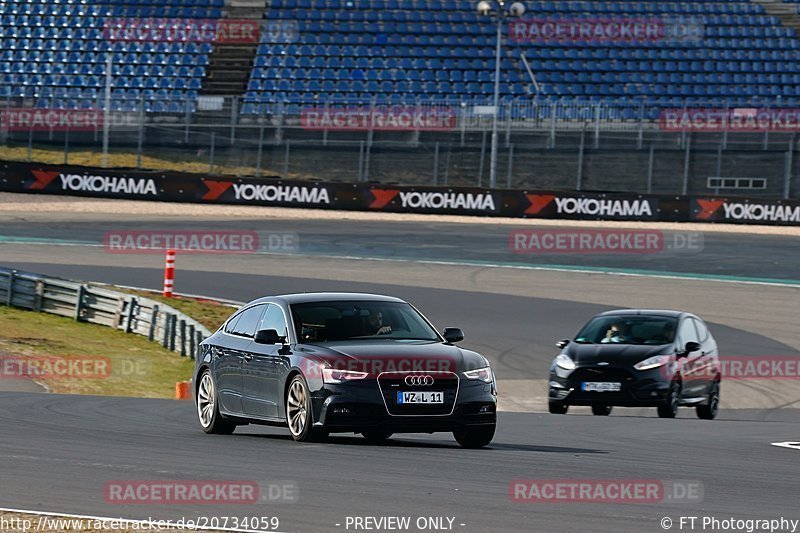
pixel 601 386
pixel 404 397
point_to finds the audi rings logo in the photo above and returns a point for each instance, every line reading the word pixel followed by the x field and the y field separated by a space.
pixel 416 381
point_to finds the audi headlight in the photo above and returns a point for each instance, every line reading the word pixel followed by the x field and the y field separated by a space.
pixel 332 375
pixel 482 374
pixel 564 361
pixel 652 362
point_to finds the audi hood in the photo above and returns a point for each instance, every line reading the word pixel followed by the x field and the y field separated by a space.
pixel 395 355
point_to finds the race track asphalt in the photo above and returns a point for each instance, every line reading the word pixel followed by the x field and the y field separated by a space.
pixel 57 453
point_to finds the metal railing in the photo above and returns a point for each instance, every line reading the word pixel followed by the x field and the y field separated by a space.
pixel 88 303
pixel 129 111
pixel 562 144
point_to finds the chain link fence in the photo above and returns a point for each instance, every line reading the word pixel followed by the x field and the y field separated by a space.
pixel 569 145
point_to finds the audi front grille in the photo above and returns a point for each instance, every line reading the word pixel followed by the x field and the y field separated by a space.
pixel 392 382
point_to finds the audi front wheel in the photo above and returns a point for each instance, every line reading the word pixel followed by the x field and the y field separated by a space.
pixel 208 407
pixel 298 412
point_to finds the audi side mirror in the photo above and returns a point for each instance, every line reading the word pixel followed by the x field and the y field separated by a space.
pixel 453 335
pixel 562 343
pixel 268 336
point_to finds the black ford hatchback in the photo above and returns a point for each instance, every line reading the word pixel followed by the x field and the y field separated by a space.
pixel 638 358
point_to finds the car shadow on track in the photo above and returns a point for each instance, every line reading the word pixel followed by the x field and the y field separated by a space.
pixel 398 442
pixel 543 449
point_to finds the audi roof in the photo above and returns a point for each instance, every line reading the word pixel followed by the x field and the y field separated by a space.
pixel 651 312
pixel 307 297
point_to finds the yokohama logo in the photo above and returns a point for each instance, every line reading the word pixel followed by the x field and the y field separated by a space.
pixel 281 193
pixel 761 212
pixel 538 203
pixel 588 206
pixel 382 197
pixel 75 182
pixel 708 208
pixel 103 184
pixel 594 207
pixel 448 200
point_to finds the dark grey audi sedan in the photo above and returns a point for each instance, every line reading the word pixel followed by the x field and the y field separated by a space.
pixel 320 363
pixel 638 358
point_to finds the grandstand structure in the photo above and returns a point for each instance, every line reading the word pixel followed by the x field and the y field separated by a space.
pixel 397 51
pixel 194 65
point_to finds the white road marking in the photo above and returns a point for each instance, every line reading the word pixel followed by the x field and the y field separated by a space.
pixel 788 444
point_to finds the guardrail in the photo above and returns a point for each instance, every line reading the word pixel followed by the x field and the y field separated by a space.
pixel 88 303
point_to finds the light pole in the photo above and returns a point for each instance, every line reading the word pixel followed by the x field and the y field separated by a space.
pixel 497 9
pixel 107 108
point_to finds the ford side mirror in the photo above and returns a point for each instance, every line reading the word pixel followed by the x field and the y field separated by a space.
pixel 268 336
pixel 692 346
pixel 453 335
pixel 562 343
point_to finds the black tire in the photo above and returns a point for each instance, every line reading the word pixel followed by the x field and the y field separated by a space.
pixel 475 437
pixel 298 412
pixel 376 437
pixel 710 409
pixel 669 409
pixel 557 408
pixel 207 404
pixel 601 410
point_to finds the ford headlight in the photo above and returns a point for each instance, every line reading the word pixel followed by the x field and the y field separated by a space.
pixel 652 362
pixel 564 361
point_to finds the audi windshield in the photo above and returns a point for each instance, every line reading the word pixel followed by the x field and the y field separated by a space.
pixel 360 320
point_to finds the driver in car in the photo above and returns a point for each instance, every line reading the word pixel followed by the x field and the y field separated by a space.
pixel 375 325
pixel 614 333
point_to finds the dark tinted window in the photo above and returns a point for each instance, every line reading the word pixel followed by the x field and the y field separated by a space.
pixel 274 319
pixel 246 325
pixel 229 327
pixel 331 321
pixel 633 329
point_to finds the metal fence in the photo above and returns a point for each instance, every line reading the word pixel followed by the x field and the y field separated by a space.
pixel 87 303
pixel 564 144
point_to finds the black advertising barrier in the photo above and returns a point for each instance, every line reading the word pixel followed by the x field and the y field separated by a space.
pixel 745 211
pixel 272 191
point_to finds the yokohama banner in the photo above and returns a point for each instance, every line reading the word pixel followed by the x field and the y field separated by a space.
pixel 741 210
pixel 272 191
